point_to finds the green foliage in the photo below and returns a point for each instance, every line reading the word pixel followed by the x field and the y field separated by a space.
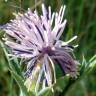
pixel 81 18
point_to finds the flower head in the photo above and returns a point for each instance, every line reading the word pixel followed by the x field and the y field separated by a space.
pixel 38 40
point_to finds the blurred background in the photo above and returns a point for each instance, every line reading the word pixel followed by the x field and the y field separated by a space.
pixel 81 17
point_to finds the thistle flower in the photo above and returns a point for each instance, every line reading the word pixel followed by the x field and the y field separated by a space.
pixel 38 42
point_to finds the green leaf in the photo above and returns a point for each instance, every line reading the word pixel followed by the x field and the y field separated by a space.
pixel 92 64
pixel 45 92
pixel 77 89
pixel 61 83
pixel 20 82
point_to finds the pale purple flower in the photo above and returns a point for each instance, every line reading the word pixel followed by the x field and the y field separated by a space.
pixel 37 39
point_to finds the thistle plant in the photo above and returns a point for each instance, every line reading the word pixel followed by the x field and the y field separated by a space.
pixel 36 40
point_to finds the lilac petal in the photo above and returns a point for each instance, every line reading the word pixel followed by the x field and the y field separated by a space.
pixel 49 10
pixel 45 13
pixel 62 27
pixel 66 63
pixel 46 71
